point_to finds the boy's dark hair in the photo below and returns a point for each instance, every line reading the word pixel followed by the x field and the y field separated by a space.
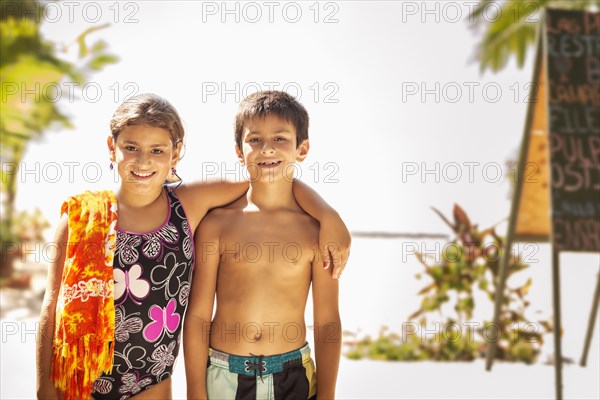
pixel 148 109
pixel 281 104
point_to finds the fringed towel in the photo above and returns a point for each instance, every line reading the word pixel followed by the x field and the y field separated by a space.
pixel 85 311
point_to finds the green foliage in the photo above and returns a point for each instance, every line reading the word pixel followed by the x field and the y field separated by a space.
pixel 30 227
pixel 467 264
pixel 26 230
pixel 29 62
pixel 512 31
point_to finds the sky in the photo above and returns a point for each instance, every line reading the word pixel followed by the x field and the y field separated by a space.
pixel 390 97
pixel 400 121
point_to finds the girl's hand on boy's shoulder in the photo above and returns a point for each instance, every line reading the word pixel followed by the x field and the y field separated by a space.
pixel 334 242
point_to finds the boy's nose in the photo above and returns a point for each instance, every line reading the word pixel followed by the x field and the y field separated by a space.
pixel 267 148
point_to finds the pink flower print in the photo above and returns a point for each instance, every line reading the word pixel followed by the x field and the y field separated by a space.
pixel 165 320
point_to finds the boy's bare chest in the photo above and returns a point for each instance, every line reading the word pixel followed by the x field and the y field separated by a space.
pixel 261 241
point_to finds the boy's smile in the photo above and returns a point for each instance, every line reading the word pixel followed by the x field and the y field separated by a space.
pixel 269 163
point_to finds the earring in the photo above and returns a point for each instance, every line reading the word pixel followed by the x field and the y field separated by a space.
pixel 111 166
pixel 179 180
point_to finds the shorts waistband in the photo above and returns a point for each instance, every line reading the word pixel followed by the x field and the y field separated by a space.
pixel 254 365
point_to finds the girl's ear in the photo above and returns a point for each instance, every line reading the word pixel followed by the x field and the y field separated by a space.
pixel 111 148
pixel 239 153
pixel 176 153
pixel 302 150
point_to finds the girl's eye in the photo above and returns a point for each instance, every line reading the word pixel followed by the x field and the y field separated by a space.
pixel 254 140
pixel 130 148
pixel 157 151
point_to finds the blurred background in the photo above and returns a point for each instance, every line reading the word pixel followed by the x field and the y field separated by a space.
pixel 417 112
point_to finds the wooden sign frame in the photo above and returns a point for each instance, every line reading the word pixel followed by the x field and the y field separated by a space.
pixel 538 227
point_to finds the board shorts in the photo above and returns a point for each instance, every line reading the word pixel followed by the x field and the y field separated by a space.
pixel 287 376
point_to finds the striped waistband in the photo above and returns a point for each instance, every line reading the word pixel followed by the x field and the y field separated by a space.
pixel 253 365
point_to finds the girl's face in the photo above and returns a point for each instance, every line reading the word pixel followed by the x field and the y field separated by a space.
pixel 144 157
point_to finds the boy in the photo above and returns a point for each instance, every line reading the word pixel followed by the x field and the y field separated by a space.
pixel 259 255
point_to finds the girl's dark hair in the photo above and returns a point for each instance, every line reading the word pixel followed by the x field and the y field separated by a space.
pixel 151 110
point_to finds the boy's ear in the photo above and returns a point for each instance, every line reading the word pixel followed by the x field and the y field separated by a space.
pixel 239 153
pixel 303 150
pixel 111 148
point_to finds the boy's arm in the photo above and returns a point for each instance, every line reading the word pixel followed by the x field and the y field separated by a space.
pixel 199 197
pixel 45 388
pixel 200 308
pixel 334 237
pixel 328 328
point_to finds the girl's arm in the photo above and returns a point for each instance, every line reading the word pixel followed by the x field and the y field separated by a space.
pixel 198 197
pixel 45 334
pixel 334 238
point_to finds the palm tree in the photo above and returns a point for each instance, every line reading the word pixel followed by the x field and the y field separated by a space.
pixel 30 67
pixel 512 31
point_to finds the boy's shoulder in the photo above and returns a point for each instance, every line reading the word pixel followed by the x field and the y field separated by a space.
pixel 218 216
pixel 293 220
pixel 302 217
pixel 297 222
pixel 227 211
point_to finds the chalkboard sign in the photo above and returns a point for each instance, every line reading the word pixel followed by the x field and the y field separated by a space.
pixel 573 67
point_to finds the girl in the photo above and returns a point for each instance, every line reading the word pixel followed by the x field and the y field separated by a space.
pixel 129 316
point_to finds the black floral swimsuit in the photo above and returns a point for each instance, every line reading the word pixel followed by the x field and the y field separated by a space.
pixel 152 273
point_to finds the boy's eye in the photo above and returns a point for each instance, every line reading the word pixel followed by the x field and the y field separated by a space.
pixel 130 148
pixel 280 139
pixel 157 151
pixel 254 140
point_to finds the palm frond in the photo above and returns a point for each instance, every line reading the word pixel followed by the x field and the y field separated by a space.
pixel 512 32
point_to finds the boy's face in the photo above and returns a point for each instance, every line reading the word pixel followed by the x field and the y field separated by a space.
pixel 269 149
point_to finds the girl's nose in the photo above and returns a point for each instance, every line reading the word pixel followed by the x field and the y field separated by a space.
pixel 143 158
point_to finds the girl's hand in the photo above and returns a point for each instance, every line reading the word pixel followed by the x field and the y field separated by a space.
pixel 49 392
pixel 334 242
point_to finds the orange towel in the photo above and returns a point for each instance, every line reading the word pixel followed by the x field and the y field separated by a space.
pixel 85 312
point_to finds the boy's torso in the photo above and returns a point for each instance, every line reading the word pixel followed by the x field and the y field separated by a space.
pixel 263 280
